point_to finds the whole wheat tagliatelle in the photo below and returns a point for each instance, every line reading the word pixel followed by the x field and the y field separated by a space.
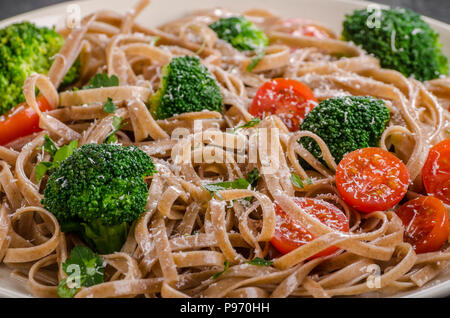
pixel 185 236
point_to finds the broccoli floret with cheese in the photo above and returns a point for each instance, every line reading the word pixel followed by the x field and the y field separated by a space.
pixel 26 49
pixel 98 192
pixel 400 39
pixel 186 86
pixel 345 124
pixel 242 34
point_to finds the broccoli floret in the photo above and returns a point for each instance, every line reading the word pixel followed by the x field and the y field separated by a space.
pixel 345 124
pixel 402 41
pixel 73 74
pixel 186 86
pixel 25 49
pixel 240 33
pixel 98 192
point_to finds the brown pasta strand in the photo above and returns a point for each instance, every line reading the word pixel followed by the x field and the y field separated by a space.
pixel 190 242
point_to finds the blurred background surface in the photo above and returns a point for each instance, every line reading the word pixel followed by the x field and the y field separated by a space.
pixel 438 9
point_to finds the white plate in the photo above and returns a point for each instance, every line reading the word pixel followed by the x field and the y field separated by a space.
pixel 328 12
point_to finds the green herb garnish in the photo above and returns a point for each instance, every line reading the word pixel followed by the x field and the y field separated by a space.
pixel 84 269
pixel 102 80
pixel 298 182
pixel 227 265
pixel 251 123
pixel 50 146
pixel 253 177
pixel 240 183
pixel 255 60
pixel 154 40
pixel 109 106
pixel 64 152
pixel 116 124
pixel 258 261
pixel 58 155
pixel 41 169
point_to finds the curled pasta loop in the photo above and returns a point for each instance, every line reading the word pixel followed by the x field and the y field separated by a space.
pixel 33 253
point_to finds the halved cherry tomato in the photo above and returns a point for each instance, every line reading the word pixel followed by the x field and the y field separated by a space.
pixel 290 234
pixel 436 171
pixel 426 223
pixel 288 99
pixel 302 27
pixel 21 121
pixel 372 179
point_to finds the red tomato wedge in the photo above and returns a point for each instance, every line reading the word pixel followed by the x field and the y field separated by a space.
pixel 288 99
pixel 302 27
pixel 290 234
pixel 426 223
pixel 21 121
pixel 436 171
pixel 372 179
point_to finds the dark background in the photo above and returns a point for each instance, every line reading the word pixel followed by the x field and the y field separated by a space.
pixel 438 9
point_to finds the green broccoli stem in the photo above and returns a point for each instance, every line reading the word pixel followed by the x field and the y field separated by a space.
pixel 105 239
pixel 102 238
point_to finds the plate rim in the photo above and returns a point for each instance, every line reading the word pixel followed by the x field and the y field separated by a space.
pixel 441 289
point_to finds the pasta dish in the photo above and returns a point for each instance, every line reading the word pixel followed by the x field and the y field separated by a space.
pixel 225 154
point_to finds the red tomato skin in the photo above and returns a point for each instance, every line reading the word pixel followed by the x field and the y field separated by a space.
pixel 349 179
pixel 288 99
pixel 21 121
pixel 285 244
pixel 302 27
pixel 426 223
pixel 436 171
